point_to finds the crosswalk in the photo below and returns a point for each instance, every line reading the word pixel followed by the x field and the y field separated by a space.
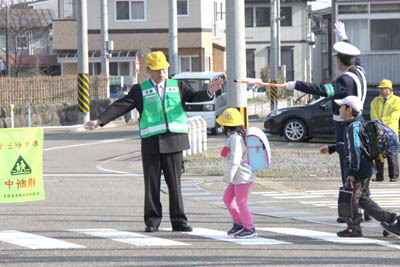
pixel 386 197
pixel 35 241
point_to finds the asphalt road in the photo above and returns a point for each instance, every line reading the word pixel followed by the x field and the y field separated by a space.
pixel 93 216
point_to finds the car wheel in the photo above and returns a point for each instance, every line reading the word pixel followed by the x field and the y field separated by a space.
pixel 294 130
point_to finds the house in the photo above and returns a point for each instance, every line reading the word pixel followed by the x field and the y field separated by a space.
pixel 30 40
pixel 294 33
pixel 138 27
pixel 322 61
pixel 374 27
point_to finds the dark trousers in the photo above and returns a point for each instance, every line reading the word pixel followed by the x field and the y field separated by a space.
pixel 393 166
pixel 340 127
pixel 171 166
pixel 368 205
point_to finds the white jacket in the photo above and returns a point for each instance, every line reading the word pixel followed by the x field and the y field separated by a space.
pixel 237 172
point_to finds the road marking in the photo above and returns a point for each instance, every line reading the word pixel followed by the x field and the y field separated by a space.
pixel 34 241
pixel 91 144
pixel 129 237
pixel 222 236
pixel 330 237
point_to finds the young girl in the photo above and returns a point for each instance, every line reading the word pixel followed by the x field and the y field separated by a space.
pixel 237 175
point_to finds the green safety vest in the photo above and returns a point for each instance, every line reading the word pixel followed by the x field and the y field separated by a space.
pixel 157 117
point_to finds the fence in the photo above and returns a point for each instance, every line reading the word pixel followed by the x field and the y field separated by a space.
pixel 47 89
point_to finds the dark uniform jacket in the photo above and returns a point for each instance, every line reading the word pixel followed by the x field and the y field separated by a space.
pixel 357 161
pixel 343 86
pixel 162 143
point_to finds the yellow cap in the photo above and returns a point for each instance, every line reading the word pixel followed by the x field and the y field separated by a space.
pixel 385 84
pixel 230 117
pixel 156 60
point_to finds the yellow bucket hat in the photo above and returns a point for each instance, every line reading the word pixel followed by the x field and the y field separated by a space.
pixel 385 84
pixel 230 117
pixel 156 60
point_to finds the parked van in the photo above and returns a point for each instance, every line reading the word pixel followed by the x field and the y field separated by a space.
pixel 209 110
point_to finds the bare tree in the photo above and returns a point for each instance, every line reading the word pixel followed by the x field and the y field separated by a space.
pixel 26 28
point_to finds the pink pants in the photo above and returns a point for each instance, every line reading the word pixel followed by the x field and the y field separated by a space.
pixel 235 199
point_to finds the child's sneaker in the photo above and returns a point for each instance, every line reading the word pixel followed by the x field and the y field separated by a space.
pixel 349 233
pixel 246 233
pixel 237 227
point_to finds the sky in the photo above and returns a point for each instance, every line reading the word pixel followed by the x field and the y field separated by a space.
pixel 320 4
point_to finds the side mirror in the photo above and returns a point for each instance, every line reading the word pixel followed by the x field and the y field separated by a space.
pixel 324 107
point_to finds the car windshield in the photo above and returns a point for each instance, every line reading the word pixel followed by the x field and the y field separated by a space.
pixel 197 85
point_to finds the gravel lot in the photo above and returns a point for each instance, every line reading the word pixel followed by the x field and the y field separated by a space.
pixel 289 160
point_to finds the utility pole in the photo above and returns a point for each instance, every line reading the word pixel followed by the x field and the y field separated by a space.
pixel 273 60
pixel 8 40
pixel 236 56
pixel 83 67
pixel 278 33
pixel 104 44
pixel 173 37
pixel 60 9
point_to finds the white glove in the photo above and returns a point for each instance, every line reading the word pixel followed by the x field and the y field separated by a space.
pixel 340 31
pixel 290 85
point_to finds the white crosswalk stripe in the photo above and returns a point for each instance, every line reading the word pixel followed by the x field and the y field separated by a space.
pixel 222 236
pixel 129 237
pixel 329 237
pixel 33 241
pixel 386 198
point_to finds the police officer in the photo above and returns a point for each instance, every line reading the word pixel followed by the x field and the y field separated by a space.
pixel 351 82
pixel 164 133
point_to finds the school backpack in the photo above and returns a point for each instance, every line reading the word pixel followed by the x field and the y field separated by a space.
pixel 380 140
pixel 258 150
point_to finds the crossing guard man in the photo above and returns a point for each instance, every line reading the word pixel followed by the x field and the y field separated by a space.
pixel 386 108
pixel 351 82
pixel 164 133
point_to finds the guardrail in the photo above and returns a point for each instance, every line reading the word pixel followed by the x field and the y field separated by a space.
pixel 197 136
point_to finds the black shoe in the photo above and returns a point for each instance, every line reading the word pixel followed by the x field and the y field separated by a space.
pixel 392 218
pixel 393 179
pixel 151 229
pixel 182 228
pixel 341 220
pixel 391 228
pixel 349 233
pixel 367 217
pixel 377 180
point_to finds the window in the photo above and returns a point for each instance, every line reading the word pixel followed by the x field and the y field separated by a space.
pixel 94 68
pixel 385 8
pixel 249 16
pixel 182 7
pixel 124 68
pixel 189 63
pixel 357 31
pixel 353 9
pixel 2 42
pixel 119 68
pixel 262 17
pixel 286 16
pixel 250 66
pixel 208 63
pixel 385 34
pixel 130 10
pixel 22 42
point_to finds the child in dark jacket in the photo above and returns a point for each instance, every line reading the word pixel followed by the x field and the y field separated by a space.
pixel 360 168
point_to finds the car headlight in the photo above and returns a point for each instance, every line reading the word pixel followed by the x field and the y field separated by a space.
pixel 275 113
pixel 208 107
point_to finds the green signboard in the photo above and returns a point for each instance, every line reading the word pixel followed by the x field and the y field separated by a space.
pixel 21 171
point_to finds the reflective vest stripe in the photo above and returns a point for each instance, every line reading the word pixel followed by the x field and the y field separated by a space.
pixel 153 129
